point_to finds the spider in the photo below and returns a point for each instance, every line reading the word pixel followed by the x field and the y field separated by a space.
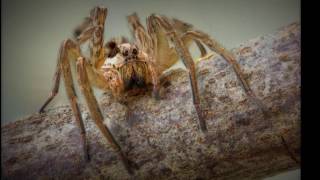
pixel 121 67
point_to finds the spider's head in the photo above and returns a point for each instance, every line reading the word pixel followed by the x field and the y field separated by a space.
pixel 123 48
pixel 120 51
pixel 128 51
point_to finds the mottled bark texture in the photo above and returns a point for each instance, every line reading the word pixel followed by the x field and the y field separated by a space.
pixel 163 138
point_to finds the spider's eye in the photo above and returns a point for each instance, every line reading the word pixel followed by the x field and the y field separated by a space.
pixel 125 53
pixel 134 51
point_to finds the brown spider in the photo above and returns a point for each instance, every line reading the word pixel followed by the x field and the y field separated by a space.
pixel 122 67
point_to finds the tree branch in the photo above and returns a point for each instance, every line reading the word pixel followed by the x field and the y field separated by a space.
pixel 163 138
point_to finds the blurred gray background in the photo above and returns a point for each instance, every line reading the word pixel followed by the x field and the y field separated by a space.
pixel 32 31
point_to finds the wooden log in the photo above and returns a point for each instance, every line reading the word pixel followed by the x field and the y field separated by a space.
pixel 163 138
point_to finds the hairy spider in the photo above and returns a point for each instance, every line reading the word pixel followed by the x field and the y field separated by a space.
pixel 121 67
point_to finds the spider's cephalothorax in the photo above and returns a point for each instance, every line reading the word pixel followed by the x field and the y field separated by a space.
pixel 126 68
pixel 120 66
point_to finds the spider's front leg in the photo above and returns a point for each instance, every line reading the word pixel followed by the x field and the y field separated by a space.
pixel 155 22
pixel 96 112
pixel 69 49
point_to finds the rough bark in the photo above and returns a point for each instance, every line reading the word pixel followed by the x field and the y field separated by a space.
pixel 162 137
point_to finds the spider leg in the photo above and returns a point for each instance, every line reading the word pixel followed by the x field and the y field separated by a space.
pixel 206 57
pixel 55 88
pixel 202 49
pixel 66 46
pixel 87 22
pixel 181 27
pixel 99 15
pixel 68 49
pixel 229 57
pixel 92 29
pixel 164 55
pixel 96 112
pixel 85 35
pixel 154 22
pixel 85 30
pixel 140 34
